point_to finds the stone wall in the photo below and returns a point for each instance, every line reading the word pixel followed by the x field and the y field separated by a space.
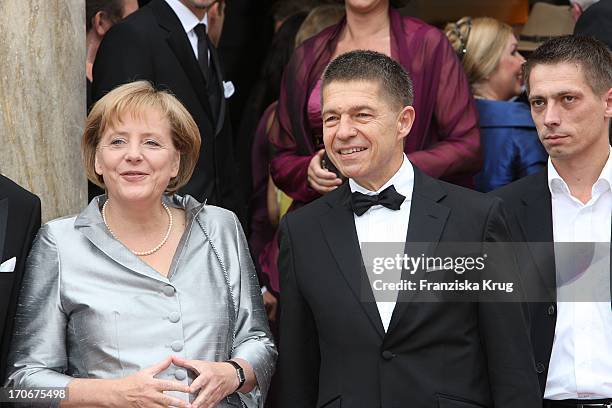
pixel 42 100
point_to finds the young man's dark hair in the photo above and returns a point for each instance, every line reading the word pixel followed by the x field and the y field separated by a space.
pixel 590 54
pixel 113 8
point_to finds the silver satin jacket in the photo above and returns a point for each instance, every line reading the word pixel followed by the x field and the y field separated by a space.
pixel 89 308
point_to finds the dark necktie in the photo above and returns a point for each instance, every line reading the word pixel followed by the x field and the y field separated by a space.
pixel 389 198
pixel 200 31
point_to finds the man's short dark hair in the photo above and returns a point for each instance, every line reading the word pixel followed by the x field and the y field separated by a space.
pixel 113 8
pixel 590 54
pixel 372 66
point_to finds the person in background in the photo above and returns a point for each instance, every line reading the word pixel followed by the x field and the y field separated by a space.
pixel 580 6
pixel 145 298
pixel 445 140
pixel 597 22
pixel 19 223
pixel 100 16
pixel 166 43
pixel 509 140
pixel 268 203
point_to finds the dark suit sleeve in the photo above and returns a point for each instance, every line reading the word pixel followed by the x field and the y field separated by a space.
pixel 299 359
pixel 31 225
pixel 504 331
pixel 123 56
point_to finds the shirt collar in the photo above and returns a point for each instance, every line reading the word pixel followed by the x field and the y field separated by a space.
pixel 557 185
pixel 402 180
pixel 187 18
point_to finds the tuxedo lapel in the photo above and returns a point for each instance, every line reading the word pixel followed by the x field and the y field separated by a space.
pixel 338 227
pixel 427 220
pixel 181 47
pixel 3 225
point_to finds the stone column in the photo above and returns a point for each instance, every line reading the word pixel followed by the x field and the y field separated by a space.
pixel 42 100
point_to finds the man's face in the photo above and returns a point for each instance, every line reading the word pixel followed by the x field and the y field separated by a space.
pixel 363 132
pixel 570 118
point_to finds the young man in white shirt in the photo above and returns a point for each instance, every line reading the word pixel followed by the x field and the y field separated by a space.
pixel 569 84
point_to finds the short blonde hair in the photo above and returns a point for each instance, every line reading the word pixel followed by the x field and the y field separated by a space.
pixel 479 43
pixel 134 98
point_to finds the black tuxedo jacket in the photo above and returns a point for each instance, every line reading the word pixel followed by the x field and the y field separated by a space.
pixel 334 351
pixel 19 222
pixel 151 44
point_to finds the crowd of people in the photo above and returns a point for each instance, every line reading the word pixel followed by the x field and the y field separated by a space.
pixel 182 283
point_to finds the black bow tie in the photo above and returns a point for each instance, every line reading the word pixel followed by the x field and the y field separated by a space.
pixel 389 198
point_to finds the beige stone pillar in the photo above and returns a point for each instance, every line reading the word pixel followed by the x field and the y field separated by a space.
pixel 42 100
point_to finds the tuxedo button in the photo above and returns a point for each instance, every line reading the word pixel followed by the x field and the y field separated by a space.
pixel 540 368
pixel 387 355
pixel 168 290
pixel 551 310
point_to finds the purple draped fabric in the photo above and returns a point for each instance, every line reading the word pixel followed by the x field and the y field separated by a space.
pixel 444 141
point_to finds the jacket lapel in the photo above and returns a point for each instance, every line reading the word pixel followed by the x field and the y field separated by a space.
pixel 91 225
pixel 427 220
pixel 180 45
pixel 3 225
pixel 535 221
pixel 338 227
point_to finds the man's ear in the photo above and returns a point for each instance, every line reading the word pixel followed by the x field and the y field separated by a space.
pixel 608 100
pixel 405 120
pixel 101 23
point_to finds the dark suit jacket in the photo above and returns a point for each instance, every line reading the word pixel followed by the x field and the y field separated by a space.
pixel 19 222
pixel 151 44
pixel 528 203
pixel 334 350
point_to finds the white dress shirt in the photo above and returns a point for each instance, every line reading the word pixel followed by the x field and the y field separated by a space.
pixel 380 224
pixel 581 360
pixel 189 21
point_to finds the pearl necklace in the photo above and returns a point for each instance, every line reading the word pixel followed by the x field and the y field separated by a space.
pixel 151 251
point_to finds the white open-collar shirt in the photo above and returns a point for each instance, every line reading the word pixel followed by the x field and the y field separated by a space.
pixel 581 359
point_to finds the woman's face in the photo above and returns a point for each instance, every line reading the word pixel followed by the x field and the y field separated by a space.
pixel 137 157
pixel 506 80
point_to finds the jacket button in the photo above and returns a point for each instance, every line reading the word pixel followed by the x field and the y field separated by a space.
pixel 387 355
pixel 180 375
pixel 168 290
pixel 540 368
pixel 177 346
pixel 551 310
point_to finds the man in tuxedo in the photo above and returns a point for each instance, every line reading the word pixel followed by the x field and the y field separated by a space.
pixel 569 85
pixel 166 42
pixel 19 222
pixel 341 347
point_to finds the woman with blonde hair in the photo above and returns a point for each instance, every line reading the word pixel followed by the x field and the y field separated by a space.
pixel 146 298
pixel 488 51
